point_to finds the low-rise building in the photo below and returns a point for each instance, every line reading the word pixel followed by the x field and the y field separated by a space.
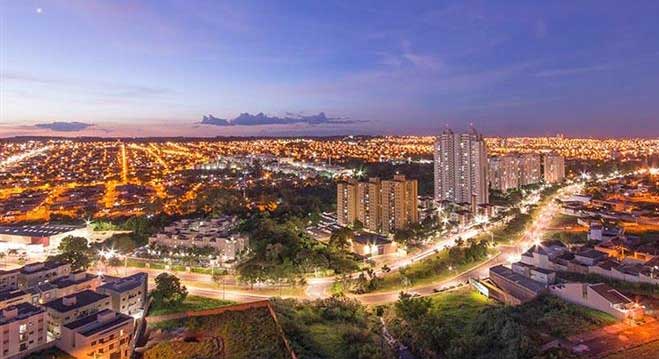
pixel 37 273
pixel 73 307
pixel 37 237
pixel 22 330
pixel 128 295
pixel 218 234
pixel 9 279
pixel 370 244
pixel 518 288
pixel 10 298
pixel 103 335
pixel 600 297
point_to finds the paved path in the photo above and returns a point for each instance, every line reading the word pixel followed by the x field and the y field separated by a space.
pixel 615 338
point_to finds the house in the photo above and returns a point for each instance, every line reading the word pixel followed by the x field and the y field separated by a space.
pixel 589 257
pixel 541 275
pixel 73 307
pixel 128 295
pixel 102 335
pixel 599 297
pixel 22 330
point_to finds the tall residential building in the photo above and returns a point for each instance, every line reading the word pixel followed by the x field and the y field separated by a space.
pixel 461 168
pixel 529 169
pixel 369 204
pixel 554 168
pixel 380 205
pixel 346 203
pixel 399 203
pixel 504 172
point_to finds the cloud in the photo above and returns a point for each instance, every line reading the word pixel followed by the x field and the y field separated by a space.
pixel 59 126
pixel 246 119
pixel 572 71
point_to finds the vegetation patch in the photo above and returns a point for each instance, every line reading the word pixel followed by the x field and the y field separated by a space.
pixel 248 334
pixel 191 303
pixel 336 327
pixel 463 325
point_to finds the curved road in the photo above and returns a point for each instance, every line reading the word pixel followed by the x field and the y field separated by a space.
pixel 319 287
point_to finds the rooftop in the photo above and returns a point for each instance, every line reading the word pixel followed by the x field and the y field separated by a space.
pixel 519 279
pixel 126 283
pixel 22 311
pixel 40 230
pixel 98 322
pixel 77 300
pixel 610 294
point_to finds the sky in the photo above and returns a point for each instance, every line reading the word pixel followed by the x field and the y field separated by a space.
pixel 157 67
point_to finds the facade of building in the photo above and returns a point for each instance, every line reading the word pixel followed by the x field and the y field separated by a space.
pixel 9 279
pixel 22 330
pixel 380 205
pixel 38 273
pixel 128 294
pixel 461 169
pixel 71 308
pixel 103 335
pixel 554 168
pixel 346 203
pixel 369 204
pixel 399 203
pixel 504 172
pixel 600 297
pixel 370 244
pixel 530 169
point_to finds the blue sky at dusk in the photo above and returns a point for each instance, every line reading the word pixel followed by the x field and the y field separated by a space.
pixel 155 68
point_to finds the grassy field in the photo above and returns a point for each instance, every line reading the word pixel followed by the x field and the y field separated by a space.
pixel 551 315
pixel 462 304
pixel 650 350
pixel 191 303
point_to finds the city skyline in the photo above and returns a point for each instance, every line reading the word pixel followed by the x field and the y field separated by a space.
pixel 169 69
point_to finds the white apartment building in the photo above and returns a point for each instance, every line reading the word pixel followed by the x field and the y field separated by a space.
pixel 461 169
pixel 22 330
pixel 103 335
pixel 504 172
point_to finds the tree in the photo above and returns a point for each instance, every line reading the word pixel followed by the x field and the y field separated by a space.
pixel 411 308
pixel 75 251
pixel 340 239
pixel 169 290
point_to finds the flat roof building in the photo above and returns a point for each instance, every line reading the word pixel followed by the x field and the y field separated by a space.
pixel 521 289
pixel 103 335
pixel 128 295
pixel 22 330
pixel 73 307
pixel 37 273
